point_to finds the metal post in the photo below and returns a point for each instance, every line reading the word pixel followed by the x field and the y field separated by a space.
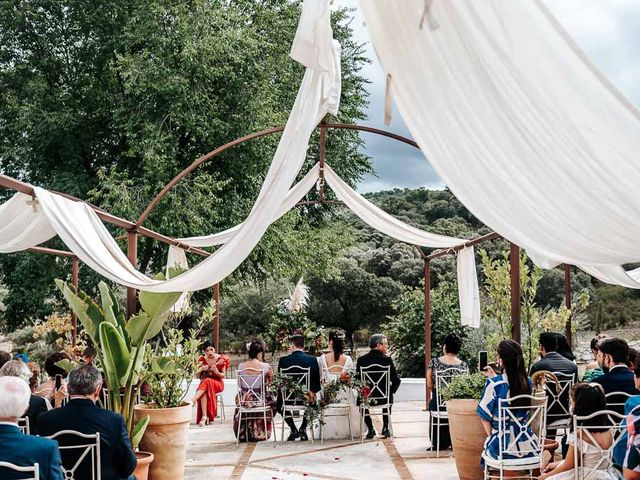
pixel 322 155
pixel 216 317
pixel 567 302
pixel 132 255
pixel 514 259
pixel 427 326
pixel 74 280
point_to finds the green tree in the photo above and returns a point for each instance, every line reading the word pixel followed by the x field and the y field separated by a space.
pixel 108 102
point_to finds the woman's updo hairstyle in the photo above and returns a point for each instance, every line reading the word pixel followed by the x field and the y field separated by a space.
pixel 255 348
pixel 338 344
pixel 452 343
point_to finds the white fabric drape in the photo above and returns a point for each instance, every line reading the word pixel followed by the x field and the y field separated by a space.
pixel 83 232
pixel 523 130
pixel 22 225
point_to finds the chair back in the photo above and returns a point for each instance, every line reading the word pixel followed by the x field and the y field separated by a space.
pixel 22 473
pixel 105 399
pixel 23 425
pixel 378 378
pixel 301 375
pixel 521 429
pixel 558 395
pixel 616 401
pixel 443 379
pixel 584 429
pixel 79 453
pixel 251 388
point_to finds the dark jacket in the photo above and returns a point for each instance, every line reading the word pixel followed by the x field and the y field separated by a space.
pixel 376 357
pixel 117 458
pixel 301 359
pixel 37 405
pixel 25 450
pixel 618 379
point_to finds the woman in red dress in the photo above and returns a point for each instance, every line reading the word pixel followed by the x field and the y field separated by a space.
pixel 211 373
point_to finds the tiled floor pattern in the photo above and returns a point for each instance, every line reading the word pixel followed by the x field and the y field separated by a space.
pixel 213 454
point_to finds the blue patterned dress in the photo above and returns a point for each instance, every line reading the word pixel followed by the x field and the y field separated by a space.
pixel 495 389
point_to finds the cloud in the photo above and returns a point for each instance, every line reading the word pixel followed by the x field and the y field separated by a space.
pixel 606 30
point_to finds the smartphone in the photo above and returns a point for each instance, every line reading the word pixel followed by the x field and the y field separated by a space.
pixel 483 360
pixel 58 381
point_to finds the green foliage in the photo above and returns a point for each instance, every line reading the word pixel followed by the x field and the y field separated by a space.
pixel 465 387
pixel 285 323
pixel 613 307
pixel 120 347
pixel 405 328
pixel 171 366
pixel 110 102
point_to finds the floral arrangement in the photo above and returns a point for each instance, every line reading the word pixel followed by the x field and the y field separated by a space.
pixel 295 390
pixel 345 382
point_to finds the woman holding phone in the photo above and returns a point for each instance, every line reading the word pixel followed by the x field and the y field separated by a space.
pixel 55 388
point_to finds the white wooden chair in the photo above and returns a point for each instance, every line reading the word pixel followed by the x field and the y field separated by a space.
pixel 252 399
pixel 378 378
pixel 338 408
pixel 73 455
pixel 439 417
pixel 616 401
pixel 584 431
pixel 521 431
pixel 290 404
pixel 220 412
pixel 34 470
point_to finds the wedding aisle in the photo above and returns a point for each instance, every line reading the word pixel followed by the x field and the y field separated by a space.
pixel 212 453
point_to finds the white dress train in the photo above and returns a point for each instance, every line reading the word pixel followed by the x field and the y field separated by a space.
pixel 337 427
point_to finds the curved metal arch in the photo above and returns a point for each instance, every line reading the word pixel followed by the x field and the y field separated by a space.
pixel 262 133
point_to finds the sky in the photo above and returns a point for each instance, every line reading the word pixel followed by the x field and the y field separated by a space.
pixel 607 30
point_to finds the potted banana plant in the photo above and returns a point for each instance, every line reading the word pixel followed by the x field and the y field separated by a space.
pixel 121 347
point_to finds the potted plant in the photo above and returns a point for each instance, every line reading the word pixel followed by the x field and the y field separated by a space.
pixel 170 368
pixel 466 430
pixel 121 347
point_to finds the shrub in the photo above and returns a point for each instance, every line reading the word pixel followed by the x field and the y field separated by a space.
pixel 465 387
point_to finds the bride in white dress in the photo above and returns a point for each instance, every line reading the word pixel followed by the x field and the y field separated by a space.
pixel 331 365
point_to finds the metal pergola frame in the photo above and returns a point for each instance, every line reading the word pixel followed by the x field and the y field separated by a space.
pixel 134 229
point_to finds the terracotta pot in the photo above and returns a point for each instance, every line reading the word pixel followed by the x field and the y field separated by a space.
pixel 166 437
pixel 467 438
pixel 142 469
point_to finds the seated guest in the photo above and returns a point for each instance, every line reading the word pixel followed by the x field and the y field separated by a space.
pixel 586 400
pixel 631 411
pixel 631 360
pixel 631 462
pixel 211 373
pixel 18 448
pixel 550 359
pixel 593 369
pixel 511 383
pixel 619 378
pixel 378 355
pixel 450 363
pixel 253 428
pixel 89 355
pixel 297 358
pixel 117 460
pixel 564 348
pixel 23 357
pixel 4 357
pixel 37 405
pixel 48 389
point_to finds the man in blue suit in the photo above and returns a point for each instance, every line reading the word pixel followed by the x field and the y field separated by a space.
pixel 117 460
pixel 297 358
pixel 619 378
pixel 16 447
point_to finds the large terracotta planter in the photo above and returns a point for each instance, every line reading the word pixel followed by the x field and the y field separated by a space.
pixel 467 438
pixel 166 437
pixel 142 468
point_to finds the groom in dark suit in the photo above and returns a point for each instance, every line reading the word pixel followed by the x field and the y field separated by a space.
pixel 378 355
pixel 297 358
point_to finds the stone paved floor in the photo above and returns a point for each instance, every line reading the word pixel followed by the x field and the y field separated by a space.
pixel 213 454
